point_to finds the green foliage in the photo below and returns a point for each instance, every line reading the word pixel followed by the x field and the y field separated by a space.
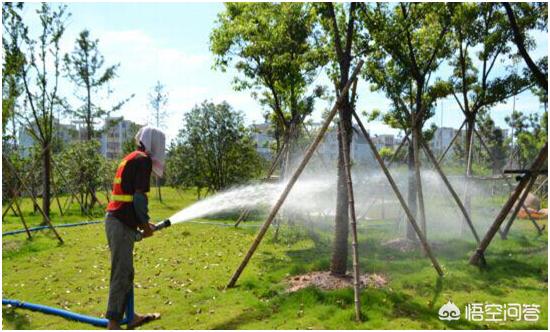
pixel 213 150
pixel 12 66
pixel 274 48
pixel 158 98
pixel 409 42
pixel 84 67
pixel 530 134
pixel 386 153
pixel 482 26
pixel 84 168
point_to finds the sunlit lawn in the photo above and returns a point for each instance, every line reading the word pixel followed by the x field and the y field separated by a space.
pixel 181 273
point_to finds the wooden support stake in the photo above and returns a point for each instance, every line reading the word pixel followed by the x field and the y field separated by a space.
pixel 394 156
pixel 519 205
pixel 293 179
pixel 478 257
pixel 440 159
pixel 20 213
pixel 33 198
pixel 504 233
pixel 421 237
pixel 351 210
pixel 451 189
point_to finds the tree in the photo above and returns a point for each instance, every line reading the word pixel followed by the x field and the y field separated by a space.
pixel 83 168
pixel 339 22
pixel 84 67
pixel 274 48
pixel 213 150
pixel 476 90
pixel 158 99
pixel 40 74
pixel 410 41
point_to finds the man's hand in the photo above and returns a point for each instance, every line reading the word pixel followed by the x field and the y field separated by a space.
pixel 148 229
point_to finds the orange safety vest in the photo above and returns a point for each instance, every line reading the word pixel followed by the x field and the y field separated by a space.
pixel 118 196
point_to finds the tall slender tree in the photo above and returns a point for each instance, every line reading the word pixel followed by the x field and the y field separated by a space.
pixel 40 75
pixel 84 66
pixel 477 89
pixel 158 98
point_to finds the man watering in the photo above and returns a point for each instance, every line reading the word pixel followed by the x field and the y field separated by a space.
pixel 127 215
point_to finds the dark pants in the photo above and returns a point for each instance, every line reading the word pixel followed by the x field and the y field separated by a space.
pixel 121 243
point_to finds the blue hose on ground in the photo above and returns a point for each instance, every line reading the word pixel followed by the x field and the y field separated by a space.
pixel 38 228
pixel 102 322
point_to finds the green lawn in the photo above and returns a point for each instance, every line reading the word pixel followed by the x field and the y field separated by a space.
pixel 181 273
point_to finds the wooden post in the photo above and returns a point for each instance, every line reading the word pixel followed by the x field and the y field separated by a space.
pixel 478 257
pixel 293 179
pixel 451 143
pixel 450 188
pixel 48 221
pixel 421 237
pixel 520 204
pixel 20 213
pixel 62 177
pixel 351 209
pixel 392 159
pixel 504 233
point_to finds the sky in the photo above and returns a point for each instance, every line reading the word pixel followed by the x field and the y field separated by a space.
pixel 169 42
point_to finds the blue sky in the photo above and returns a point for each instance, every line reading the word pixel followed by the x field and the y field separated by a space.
pixel 170 42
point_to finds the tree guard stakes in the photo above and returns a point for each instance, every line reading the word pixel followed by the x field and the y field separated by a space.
pixel 307 156
pixel 33 198
pixel 478 257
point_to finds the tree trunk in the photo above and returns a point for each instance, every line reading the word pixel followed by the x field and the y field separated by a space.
pixel 411 194
pixel 158 188
pixel 470 123
pixel 338 264
pixel 46 182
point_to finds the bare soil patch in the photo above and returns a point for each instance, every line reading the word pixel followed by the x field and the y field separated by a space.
pixel 326 281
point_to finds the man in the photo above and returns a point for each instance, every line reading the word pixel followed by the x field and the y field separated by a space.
pixel 126 213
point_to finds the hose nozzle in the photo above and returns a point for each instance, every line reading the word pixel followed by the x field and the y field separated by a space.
pixel 158 227
pixel 163 224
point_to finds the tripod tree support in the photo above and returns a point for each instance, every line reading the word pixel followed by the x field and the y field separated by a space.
pixel 478 258
pixel 293 179
pixel 33 198
pixel 421 237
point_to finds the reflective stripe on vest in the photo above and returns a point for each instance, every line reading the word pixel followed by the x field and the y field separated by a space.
pixel 118 196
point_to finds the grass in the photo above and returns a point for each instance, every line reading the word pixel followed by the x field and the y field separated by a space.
pixel 181 273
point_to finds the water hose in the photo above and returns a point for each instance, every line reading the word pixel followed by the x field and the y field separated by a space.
pixel 38 228
pixel 97 321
